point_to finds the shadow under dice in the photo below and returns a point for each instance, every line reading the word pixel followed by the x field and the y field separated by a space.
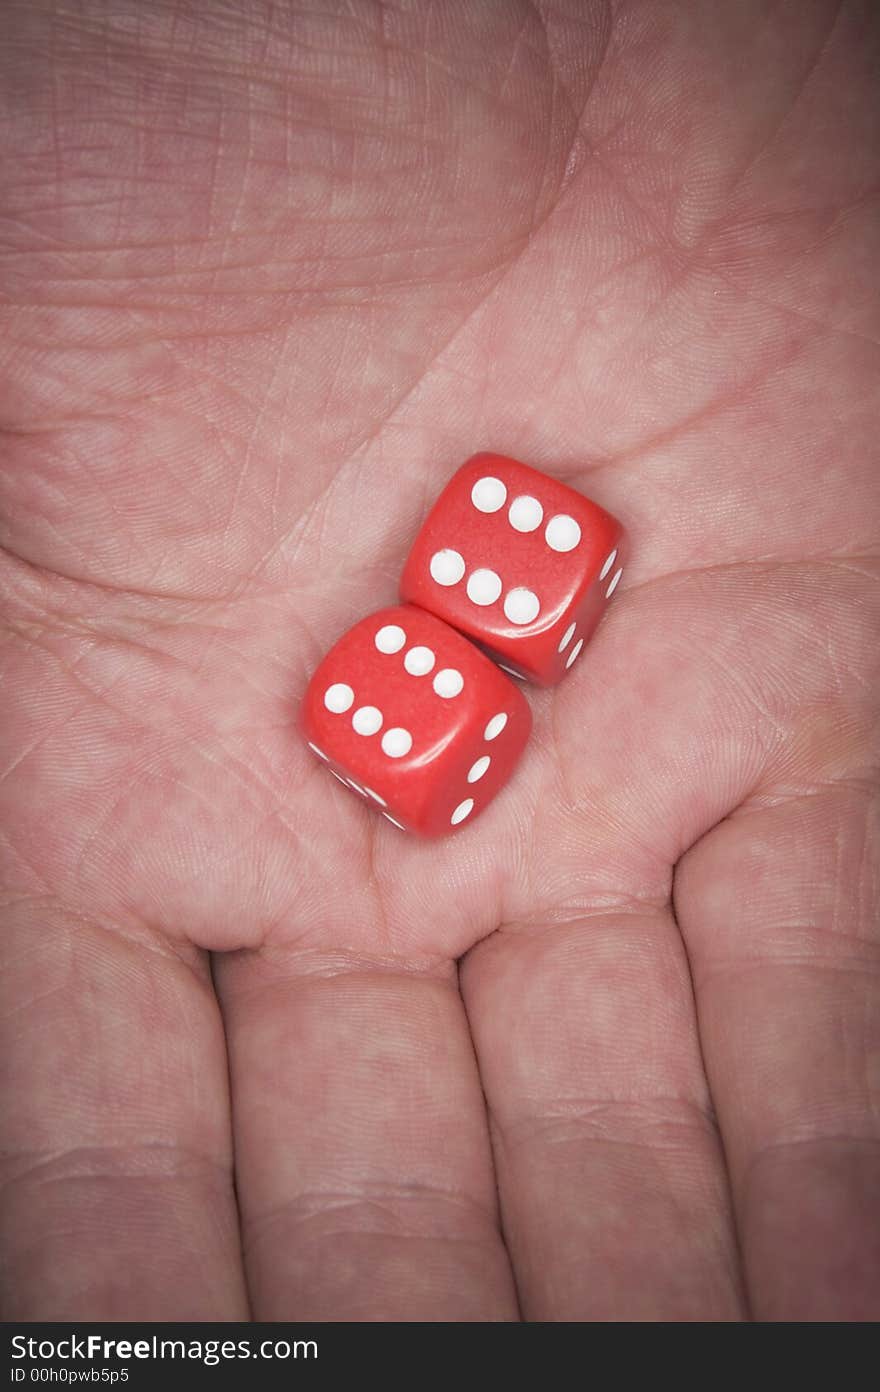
pixel 519 562
pixel 415 720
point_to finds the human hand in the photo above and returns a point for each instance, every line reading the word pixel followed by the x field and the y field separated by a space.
pixel 270 272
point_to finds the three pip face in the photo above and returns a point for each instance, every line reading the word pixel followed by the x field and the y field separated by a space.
pixel 410 714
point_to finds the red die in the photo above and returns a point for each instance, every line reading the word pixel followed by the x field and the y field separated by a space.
pixel 518 561
pixel 415 719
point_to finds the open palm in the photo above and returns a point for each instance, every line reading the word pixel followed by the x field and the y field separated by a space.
pixel 269 273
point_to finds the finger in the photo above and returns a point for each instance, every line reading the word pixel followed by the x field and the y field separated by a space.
pixel 779 908
pixel 116 1196
pixel 363 1162
pixel 612 1186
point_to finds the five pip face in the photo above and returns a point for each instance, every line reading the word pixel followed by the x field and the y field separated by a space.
pixel 410 714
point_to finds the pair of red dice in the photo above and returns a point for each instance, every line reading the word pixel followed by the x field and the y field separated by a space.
pixel 410 714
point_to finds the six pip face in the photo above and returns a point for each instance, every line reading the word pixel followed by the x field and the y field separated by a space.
pixel 415 720
pixel 519 562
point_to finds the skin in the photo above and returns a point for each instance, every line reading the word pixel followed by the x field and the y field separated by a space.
pixel 268 273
